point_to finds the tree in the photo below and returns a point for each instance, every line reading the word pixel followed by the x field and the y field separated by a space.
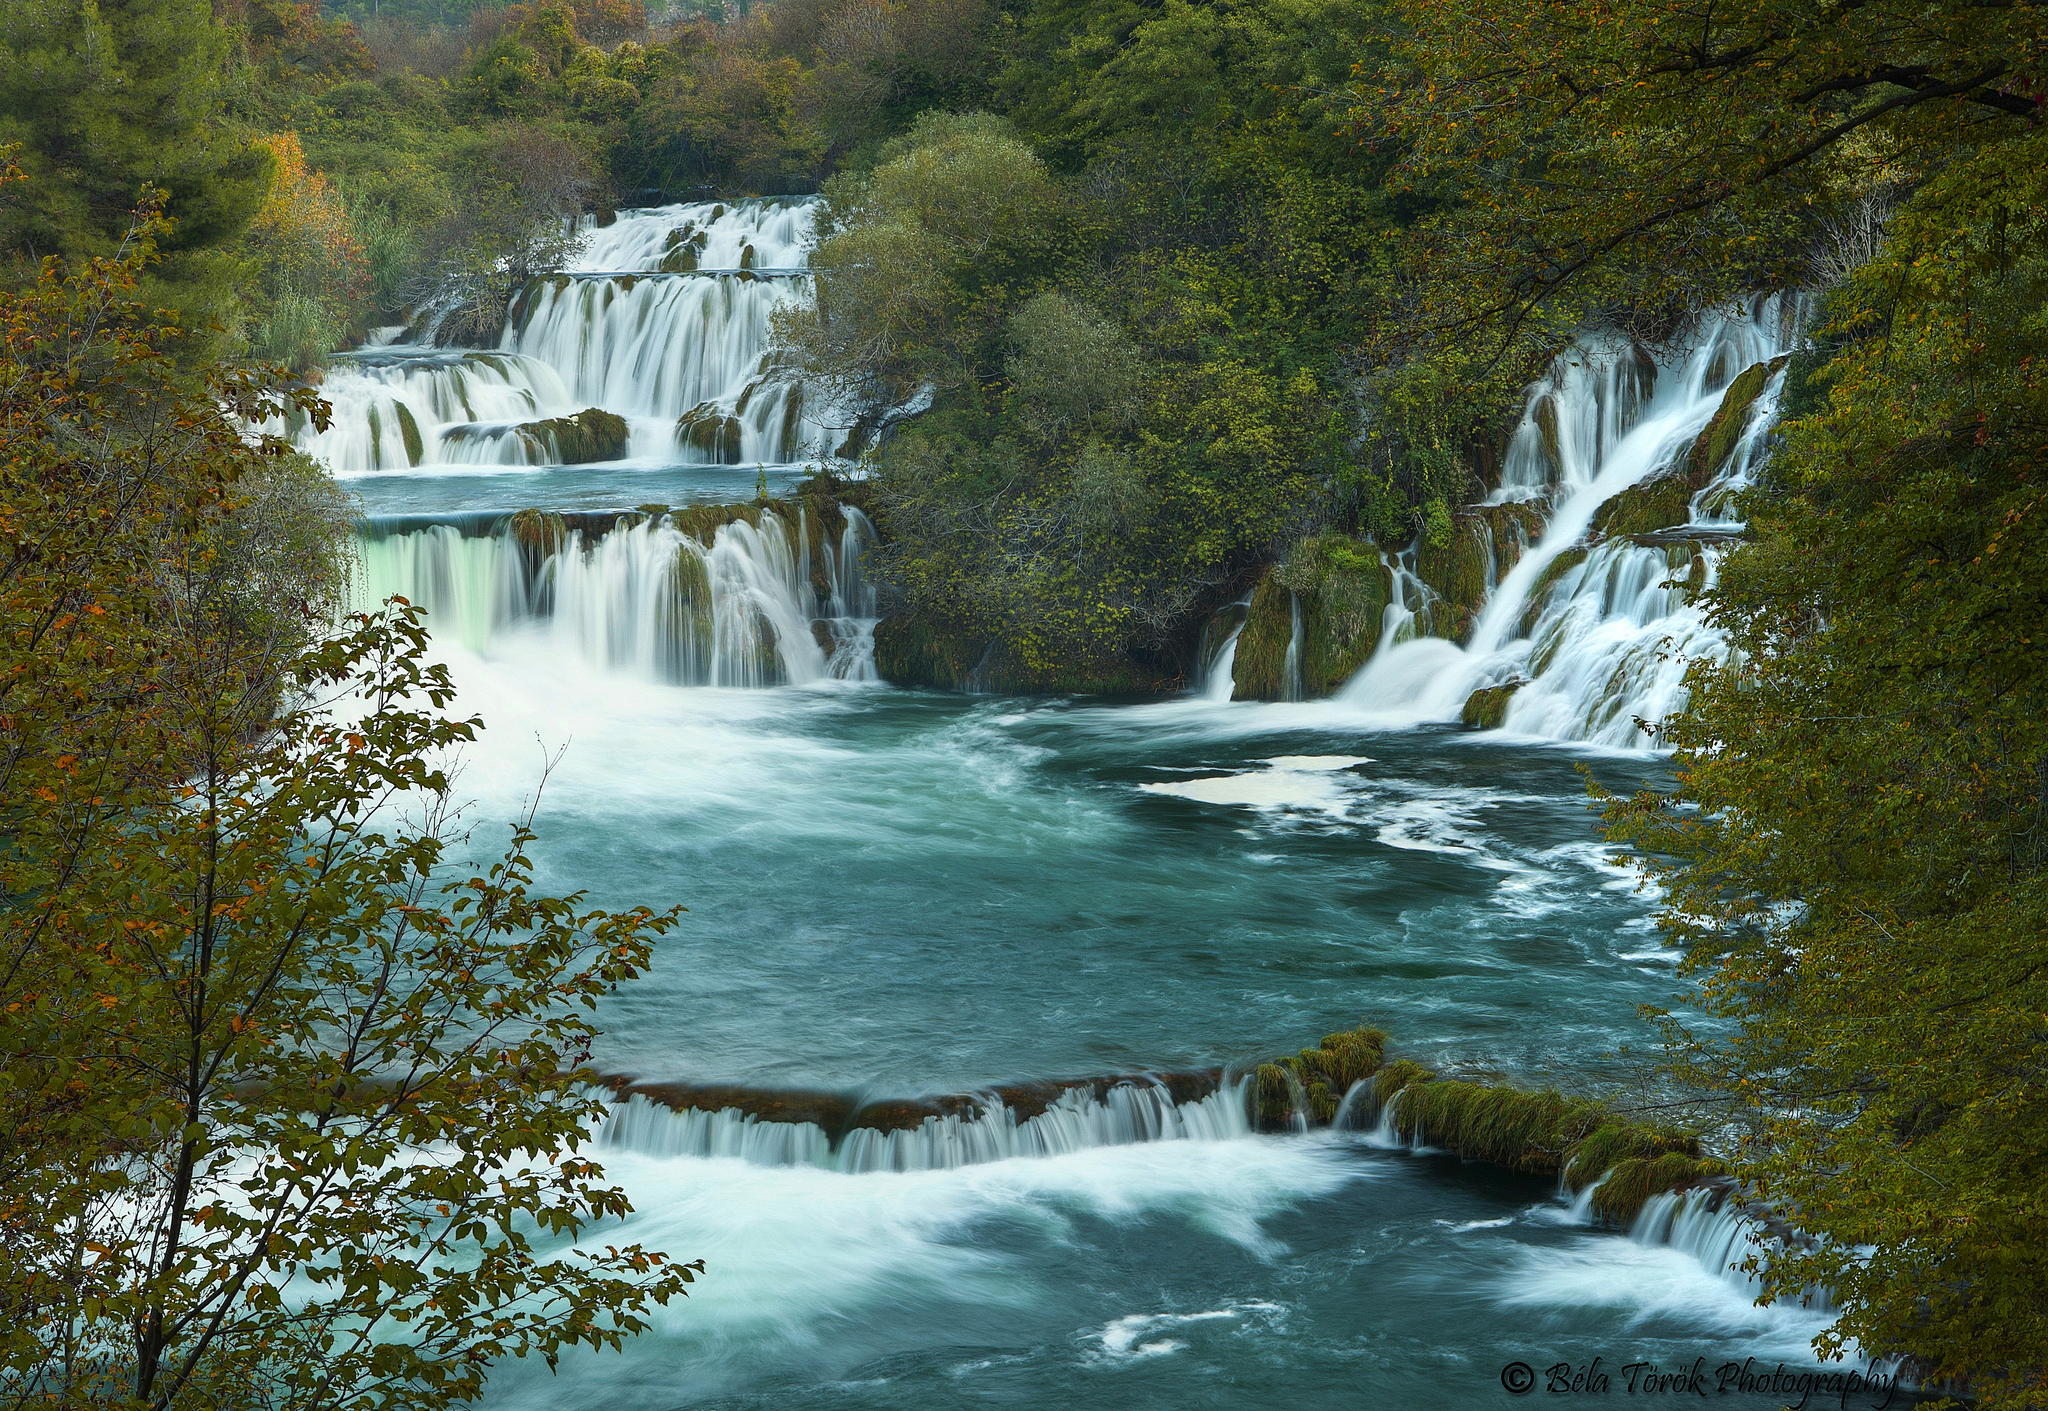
pixel 1634 156
pixel 105 99
pixel 1857 853
pixel 288 1113
pixel 310 265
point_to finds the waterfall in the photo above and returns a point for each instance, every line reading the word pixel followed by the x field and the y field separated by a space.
pixel 1217 651
pixel 661 319
pixel 1078 1119
pixel 1710 1226
pixel 768 600
pixel 1582 626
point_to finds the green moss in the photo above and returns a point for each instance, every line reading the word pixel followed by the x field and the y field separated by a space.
pixel 1628 1184
pixel 1545 413
pixel 540 532
pixel 912 653
pixel 1717 442
pixel 711 433
pixel 1487 707
pixel 1272 1098
pixel 1260 670
pixel 1459 572
pixel 1655 504
pixel 593 434
pixel 1539 593
pixel 1316 1078
pixel 702 522
pixel 1341 587
pixel 1546 1133
pixel 415 449
pixel 682 249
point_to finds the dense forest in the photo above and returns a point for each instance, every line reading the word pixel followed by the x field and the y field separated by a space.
pixel 1134 314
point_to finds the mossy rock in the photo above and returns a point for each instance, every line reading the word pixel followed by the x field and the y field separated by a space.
pixel 712 433
pixel 1313 1082
pixel 682 249
pixel 1724 431
pixel 1259 671
pixel 1628 1185
pixel 1544 413
pixel 593 434
pixel 540 532
pixel 1460 572
pixel 409 430
pixel 912 653
pixel 1341 587
pixel 1660 503
pixel 1546 582
pixel 1487 707
pixel 702 522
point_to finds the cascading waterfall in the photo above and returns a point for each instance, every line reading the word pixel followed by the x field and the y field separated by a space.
pixel 1077 1120
pixel 661 319
pixel 1583 625
pixel 768 601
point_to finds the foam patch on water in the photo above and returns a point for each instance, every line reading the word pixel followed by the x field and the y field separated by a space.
pixel 1641 1284
pixel 1138 1336
pixel 1306 783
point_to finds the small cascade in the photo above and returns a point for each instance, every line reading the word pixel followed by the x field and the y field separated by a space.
pixel 1078 1119
pixel 1217 651
pixel 1704 1224
pixel 1386 1128
pixel 1290 667
pixel 661 320
pixel 1353 1107
pixel 1592 625
pixel 768 600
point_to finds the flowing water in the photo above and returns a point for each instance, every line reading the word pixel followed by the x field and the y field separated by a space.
pixel 897 893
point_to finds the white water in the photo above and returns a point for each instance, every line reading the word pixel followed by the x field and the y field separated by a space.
pixel 762 604
pixel 1125 1115
pixel 1604 643
pixel 614 330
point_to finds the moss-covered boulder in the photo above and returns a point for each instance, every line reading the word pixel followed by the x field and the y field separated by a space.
pixel 1546 583
pixel 1662 502
pixel 1665 501
pixel 539 532
pixel 1312 1084
pixel 1579 1140
pixel 1340 588
pixel 711 434
pixel 1461 567
pixel 1717 443
pixel 593 434
pixel 1487 707
pixel 682 249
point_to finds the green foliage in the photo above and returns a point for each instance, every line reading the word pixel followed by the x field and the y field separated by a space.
pixel 1644 159
pixel 105 101
pixel 1855 856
